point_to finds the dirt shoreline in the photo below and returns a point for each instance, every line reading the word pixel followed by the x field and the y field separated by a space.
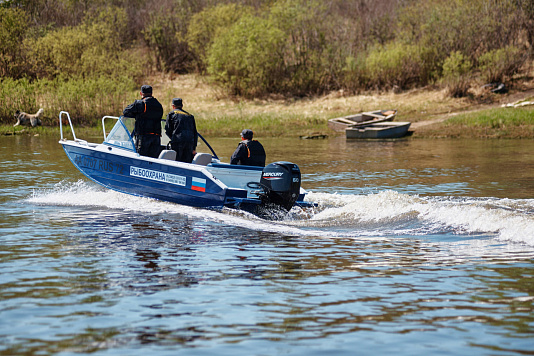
pixel 426 108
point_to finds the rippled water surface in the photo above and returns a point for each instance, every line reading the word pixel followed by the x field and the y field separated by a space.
pixel 417 247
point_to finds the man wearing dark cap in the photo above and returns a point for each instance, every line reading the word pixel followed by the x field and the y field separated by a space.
pixel 147 113
pixel 249 152
pixel 182 130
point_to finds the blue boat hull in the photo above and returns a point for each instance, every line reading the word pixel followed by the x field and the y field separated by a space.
pixel 151 179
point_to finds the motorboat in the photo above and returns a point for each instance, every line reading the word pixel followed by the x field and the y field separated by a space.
pixel 205 183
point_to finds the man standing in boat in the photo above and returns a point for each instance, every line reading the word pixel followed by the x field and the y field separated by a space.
pixel 147 113
pixel 249 152
pixel 182 130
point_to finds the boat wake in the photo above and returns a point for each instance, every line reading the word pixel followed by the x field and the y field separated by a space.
pixel 396 213
pixel 387 213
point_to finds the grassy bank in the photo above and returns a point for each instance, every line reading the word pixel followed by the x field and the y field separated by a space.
pixel 218 115
pixel 490 123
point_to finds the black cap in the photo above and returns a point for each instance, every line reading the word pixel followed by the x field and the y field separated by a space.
pixel 177 102
pixel 146 89
pixel 246 133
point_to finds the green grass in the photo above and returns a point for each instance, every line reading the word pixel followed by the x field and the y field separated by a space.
pixel 265 125
pixel 86 99
pixel 491 123
pixel 495 118
pixel 51 131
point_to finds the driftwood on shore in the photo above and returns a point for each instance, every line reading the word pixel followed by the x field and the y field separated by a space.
pixel 518 104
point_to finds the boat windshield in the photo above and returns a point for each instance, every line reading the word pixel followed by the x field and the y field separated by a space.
pixel 120 135
pixel 164 138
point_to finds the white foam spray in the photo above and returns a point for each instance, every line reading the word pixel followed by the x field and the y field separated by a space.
pixel 381 214
pixel 507 219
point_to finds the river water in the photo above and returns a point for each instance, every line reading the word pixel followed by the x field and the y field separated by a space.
pixel 417 247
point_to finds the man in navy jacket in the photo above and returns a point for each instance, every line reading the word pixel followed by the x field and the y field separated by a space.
pixel 249 152
pixel 182 130
pixel 147 113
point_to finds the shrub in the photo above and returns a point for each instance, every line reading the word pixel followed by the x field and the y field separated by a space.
pixel 90 49
pixel 469 26
pixel 310 51
pixel 456 74
pixel 497 65
pixel 165 35
pixel 13 27
pixel 396 65
pixel 354 73
pixel 246 58
pixel 316 46
pixel 286 51
pixel 86 99
pixel 207 25
pixel 16 94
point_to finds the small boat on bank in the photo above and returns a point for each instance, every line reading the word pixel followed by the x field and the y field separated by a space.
pixel 341 123
pixel 379 130
pixel 204 183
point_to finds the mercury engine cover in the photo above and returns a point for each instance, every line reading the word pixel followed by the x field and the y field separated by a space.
pixel 282 180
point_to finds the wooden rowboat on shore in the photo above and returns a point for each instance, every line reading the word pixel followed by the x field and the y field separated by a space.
pixel 379 130
pixel 342 123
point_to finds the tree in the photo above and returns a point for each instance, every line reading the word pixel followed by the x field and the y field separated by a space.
pixel 13 28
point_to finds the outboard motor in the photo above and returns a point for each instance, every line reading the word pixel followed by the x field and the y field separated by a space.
pixel 282 183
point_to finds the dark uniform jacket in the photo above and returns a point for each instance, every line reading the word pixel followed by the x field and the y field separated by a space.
pixel 147 132
pixel 147 113
pixel 181 128
pixel 249 153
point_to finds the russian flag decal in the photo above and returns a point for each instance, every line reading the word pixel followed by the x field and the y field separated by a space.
pixel 198 184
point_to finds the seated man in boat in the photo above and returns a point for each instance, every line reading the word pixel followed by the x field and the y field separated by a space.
pixel 147 113
pixel 182 130
pixel 249 152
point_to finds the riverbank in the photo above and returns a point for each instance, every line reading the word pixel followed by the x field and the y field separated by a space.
pixel 431 111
